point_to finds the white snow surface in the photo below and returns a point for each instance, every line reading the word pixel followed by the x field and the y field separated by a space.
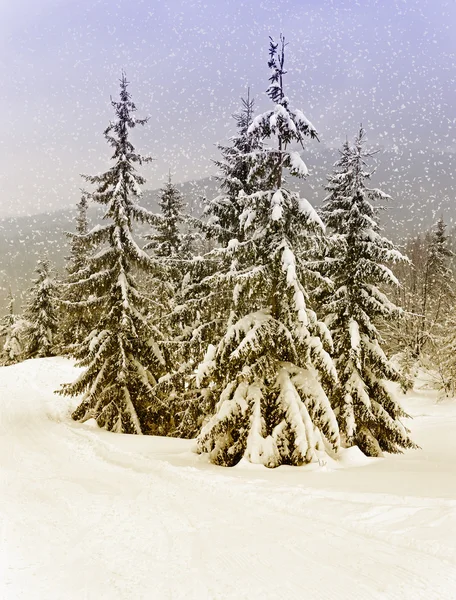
pixel 91 515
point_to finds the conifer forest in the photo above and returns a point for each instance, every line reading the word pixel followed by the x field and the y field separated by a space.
pixel 243 383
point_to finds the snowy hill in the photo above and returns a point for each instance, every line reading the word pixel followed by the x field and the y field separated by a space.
pixel 87 514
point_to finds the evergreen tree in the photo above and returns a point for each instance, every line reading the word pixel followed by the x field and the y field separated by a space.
pixel 436 332
pixel 79 247
pixel 443 356
pixel 122 355
pixel 271 363
pixel 437 287
pixel 401 335
pixel 171 244
pixel 225 210
pixel 12 332
pixel 201 312
pixel 358 263
pixel 168 241
pixel 75 323
pixel 41 313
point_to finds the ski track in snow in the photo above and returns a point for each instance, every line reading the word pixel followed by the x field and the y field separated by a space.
pixel 89 515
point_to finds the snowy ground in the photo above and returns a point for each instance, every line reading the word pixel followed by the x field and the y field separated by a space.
pixel 90 515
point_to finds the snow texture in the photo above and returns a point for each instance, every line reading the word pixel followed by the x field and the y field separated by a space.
pixel 87 514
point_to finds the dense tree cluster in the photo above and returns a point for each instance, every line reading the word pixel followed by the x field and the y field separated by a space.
pixel 264 329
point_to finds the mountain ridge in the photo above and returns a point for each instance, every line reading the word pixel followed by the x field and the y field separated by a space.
pixel 417 201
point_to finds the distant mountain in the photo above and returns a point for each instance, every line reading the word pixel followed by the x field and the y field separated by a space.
pixel 24 240
pixel 422 186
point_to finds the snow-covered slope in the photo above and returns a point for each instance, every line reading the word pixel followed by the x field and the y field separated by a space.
pixel 89 515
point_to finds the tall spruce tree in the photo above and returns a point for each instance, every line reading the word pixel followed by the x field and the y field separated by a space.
pixel 271 363
pixel 41 313
pixel 201 312
pixel 171 244
pixel 367 412
pixel 122 355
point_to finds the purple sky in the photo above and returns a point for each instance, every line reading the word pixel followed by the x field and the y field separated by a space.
pixel 387 63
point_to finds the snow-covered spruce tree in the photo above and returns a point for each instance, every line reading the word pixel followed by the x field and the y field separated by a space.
pixel 122 355
pixel 199 317
pixel 41 313
pixel 436 331
pixel 169 244
pixel 79 249
pixel 75 322
pixel 201 313
pixel 12 334
pixel 272 362
pixel 224 211
pixel 168 240
pixel 367 412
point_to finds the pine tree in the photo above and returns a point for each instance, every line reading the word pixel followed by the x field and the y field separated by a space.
pixel 224 211
pixel 168 241
pixel 122 355
pixel 12 332
pixel 200 314
pixel 443 356
pixel 272 362
pixel 358 263
pixel 79 247
pixel 171 244
pixel 436 332
pixel 437 286
pixel 75 323
pixel 41 313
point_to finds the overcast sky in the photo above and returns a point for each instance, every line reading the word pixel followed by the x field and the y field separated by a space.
pixel 387 63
